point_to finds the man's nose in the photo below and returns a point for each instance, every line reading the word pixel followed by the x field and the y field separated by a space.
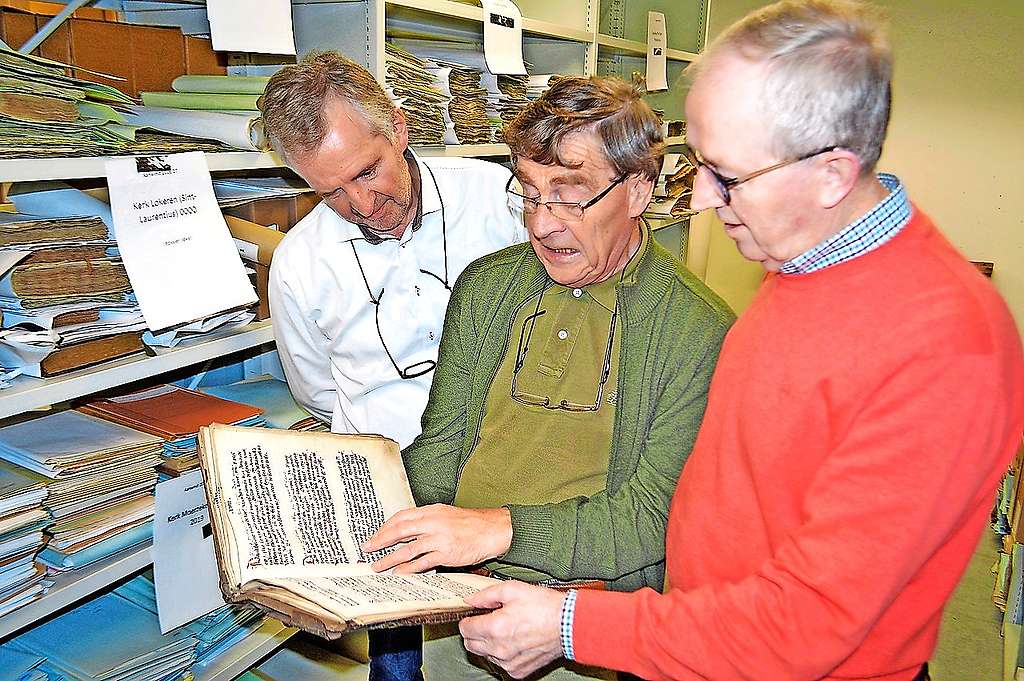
pixel 362 201
pixel 705 191
pixel 542 223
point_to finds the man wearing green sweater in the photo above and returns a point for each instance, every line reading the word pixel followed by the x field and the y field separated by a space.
pixel 573 372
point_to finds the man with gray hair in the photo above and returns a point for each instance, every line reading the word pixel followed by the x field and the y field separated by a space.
pixel 572 376
pixel 359 287
pixel 861 415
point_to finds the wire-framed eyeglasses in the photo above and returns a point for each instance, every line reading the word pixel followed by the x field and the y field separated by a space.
pixel 723 185
pixel 569 211
pixel 525 334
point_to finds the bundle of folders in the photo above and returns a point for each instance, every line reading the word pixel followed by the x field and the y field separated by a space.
pixel 68 303
pixel 116 637
pixel 44 112
pixel 174 415
pixel 99 476
pixel 22 520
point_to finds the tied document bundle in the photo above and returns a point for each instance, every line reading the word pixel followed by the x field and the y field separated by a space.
pixel 289 511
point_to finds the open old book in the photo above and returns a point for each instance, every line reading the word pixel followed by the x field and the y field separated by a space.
pixel 289 510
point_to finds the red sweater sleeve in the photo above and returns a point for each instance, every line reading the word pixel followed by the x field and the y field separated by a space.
pixel 888 523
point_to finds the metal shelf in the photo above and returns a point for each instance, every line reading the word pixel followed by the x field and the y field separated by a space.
pixel 639 49
pixel 673 141
pixel 240 658
pixel 28 393
pixel 76 585
pixel 458 10
pixel 28 169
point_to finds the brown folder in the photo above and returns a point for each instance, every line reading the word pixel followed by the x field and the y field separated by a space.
pixel 169 411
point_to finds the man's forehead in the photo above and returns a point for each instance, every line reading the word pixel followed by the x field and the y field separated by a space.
pixel 582 154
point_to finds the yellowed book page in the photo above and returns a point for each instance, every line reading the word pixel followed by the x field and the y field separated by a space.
pixel 290 504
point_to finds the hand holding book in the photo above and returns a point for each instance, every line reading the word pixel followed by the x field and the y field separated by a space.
pixel 290 512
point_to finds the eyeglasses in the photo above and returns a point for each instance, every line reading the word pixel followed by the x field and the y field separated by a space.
pixel 563 210
pixel 419 368
pixel 524 347
pixel 724 184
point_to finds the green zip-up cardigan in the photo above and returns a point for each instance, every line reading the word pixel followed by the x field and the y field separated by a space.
pixel 672 329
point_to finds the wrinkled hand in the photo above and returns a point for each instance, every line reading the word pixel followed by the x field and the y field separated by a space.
pixel 523 634
pixel 441 535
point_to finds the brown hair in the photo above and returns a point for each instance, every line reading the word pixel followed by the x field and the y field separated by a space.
pixel 293 103
pixel 611 107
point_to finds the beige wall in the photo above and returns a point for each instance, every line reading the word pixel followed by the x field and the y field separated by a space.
pixel 956 137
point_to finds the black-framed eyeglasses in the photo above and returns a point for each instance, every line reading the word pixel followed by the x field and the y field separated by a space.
pixel 723 185
pixel 538 401
pixel 570 211
pixel 419 368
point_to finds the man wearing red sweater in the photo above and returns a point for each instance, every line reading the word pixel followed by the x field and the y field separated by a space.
pixel 863 408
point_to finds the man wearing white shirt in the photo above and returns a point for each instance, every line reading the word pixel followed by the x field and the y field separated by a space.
pixel 358 288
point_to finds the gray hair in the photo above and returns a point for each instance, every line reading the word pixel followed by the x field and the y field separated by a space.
pixel 829 74
pixel 292 105
pixel 610 107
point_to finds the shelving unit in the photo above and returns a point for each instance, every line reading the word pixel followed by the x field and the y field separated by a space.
pixel 565 36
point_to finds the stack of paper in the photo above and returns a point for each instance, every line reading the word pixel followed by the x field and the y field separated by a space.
pixel 101 477
pixel 236 191
pixel 411 87
pixel 174 415
pixel 215 632
pixel 673 189
pixel 280 410
pixel 18 666
pixel 70 283
pixel 45 113
pixel 22 520
pixel 110 638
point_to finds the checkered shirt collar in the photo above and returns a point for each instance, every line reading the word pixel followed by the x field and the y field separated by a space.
pixel 867 233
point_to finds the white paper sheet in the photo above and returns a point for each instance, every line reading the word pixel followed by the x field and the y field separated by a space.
pixel 237 25
pixel 172 237
pixel 11 257
pixel 657 43
pixel 184 562
pixel 503 37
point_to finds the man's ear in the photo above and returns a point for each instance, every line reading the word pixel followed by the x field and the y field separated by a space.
pixel 840 172
pixel 401 129
pixel 640 192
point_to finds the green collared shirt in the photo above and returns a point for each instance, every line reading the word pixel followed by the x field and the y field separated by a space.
pixel 563 360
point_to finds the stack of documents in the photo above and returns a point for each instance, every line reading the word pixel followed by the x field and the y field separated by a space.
pixel 175 415
pixel 673 189
pixel 19 666
pixel 215 632
pixel 415 90
pixel 280 410
pixel 237 191
pixel 538 84
pixel 68 293
pixel 22 520
pixel 100 482
pixel 110 638
pixel 46 113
